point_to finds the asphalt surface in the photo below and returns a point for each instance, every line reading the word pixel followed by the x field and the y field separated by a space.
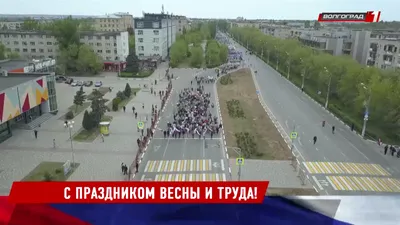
pixel 185 158
pixel 295 111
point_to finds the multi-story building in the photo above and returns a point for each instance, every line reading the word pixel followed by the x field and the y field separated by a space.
pixel 10 25
pixel 107 23
pixel 25 100
pixel 182 23
pixel 382 49
pixel 114 22
pixel 154 35
pixel 37 45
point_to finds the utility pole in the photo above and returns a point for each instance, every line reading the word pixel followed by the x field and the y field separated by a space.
pixel 303 78
pixel 328 93
pixel 366 113
pixel 292 144
pixel 288 72
pixel 262 52
pixel 268 56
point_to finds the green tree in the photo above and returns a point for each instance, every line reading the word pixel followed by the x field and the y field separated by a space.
pixel 128 90
pixel 87 122
pixel 13 55
pixel 196 57
pixel 2 51
pixel 351 85
pixel 86 25
pixel 30 25
pixel 98 107
pixel 131 42
pixel 132 63
pixel 88 61
pixel 79 98
pixel 216 54
pixel 178 52
pixel 66 32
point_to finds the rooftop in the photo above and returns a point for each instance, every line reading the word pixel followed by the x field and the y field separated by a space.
pixel 82 33
pixel 11 81
pixel 12 64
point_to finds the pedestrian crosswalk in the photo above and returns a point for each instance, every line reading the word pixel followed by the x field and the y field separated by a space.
pixel 373 184
pixel 345 168
pixel 191 177
pixel 163 166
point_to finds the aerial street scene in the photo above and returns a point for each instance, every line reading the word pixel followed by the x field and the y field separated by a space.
pixel 308 102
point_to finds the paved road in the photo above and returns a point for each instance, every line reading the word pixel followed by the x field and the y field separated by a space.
pixel 190 159
pixel 294 110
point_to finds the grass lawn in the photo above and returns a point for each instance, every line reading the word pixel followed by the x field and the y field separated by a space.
pixel 256 122
pixel 125 101
pixel 90 135
pixel 102 90
pixel 55 169
pixel 141 74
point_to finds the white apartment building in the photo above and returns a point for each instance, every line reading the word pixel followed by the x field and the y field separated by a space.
pixel 382 49
pixel 113 22
pixel 182 23
pixel 154 35
pixel 10 25
pixel 38 45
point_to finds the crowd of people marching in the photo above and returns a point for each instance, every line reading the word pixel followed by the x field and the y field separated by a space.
pixel 193 117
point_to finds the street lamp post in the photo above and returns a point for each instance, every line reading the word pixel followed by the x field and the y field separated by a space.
pixel 70 126
pixel 303 75
pixel 288 66
pixel 277 59
pixel 239 153
pixel 366 110
pixel 329 88
pixel 268 57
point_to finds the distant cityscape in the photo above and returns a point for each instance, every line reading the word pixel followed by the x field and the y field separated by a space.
pixel 156 32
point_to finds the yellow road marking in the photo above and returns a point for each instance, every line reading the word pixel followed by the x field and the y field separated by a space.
pixel 316 167
pixel 308 167
pixel 337 167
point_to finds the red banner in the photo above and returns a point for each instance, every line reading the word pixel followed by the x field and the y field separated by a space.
pixel 138 192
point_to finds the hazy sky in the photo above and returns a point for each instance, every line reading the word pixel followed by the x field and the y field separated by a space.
pixel 250 9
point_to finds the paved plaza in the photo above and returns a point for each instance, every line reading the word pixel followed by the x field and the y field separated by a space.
pixel 185 158
pixel 98 160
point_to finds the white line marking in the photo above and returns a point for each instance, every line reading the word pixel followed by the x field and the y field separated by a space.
pixel 142 179
pixel 222 165
pixel 317 149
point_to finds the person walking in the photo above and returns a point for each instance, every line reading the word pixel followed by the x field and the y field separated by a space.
pixel 315 139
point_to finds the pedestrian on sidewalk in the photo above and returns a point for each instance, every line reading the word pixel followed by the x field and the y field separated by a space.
pixel 138 142
pixel 36 133
pixel 135 115
pixel 142 105
pixel 102 137
pixel 54 143
pixel 123 108
pixel 122 167
pixel 133 109
pixel 386 149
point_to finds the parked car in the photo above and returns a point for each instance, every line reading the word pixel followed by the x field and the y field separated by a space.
pixel 88 83
pixel 69 81
pixel 98 84
pixel 74 84
pixel 79 83
pixel 61 78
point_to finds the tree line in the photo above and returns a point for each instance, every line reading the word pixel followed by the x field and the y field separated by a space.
pixel 352 89
pixel 189 46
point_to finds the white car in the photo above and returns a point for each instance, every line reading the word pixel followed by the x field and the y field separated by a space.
pixel 74 84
